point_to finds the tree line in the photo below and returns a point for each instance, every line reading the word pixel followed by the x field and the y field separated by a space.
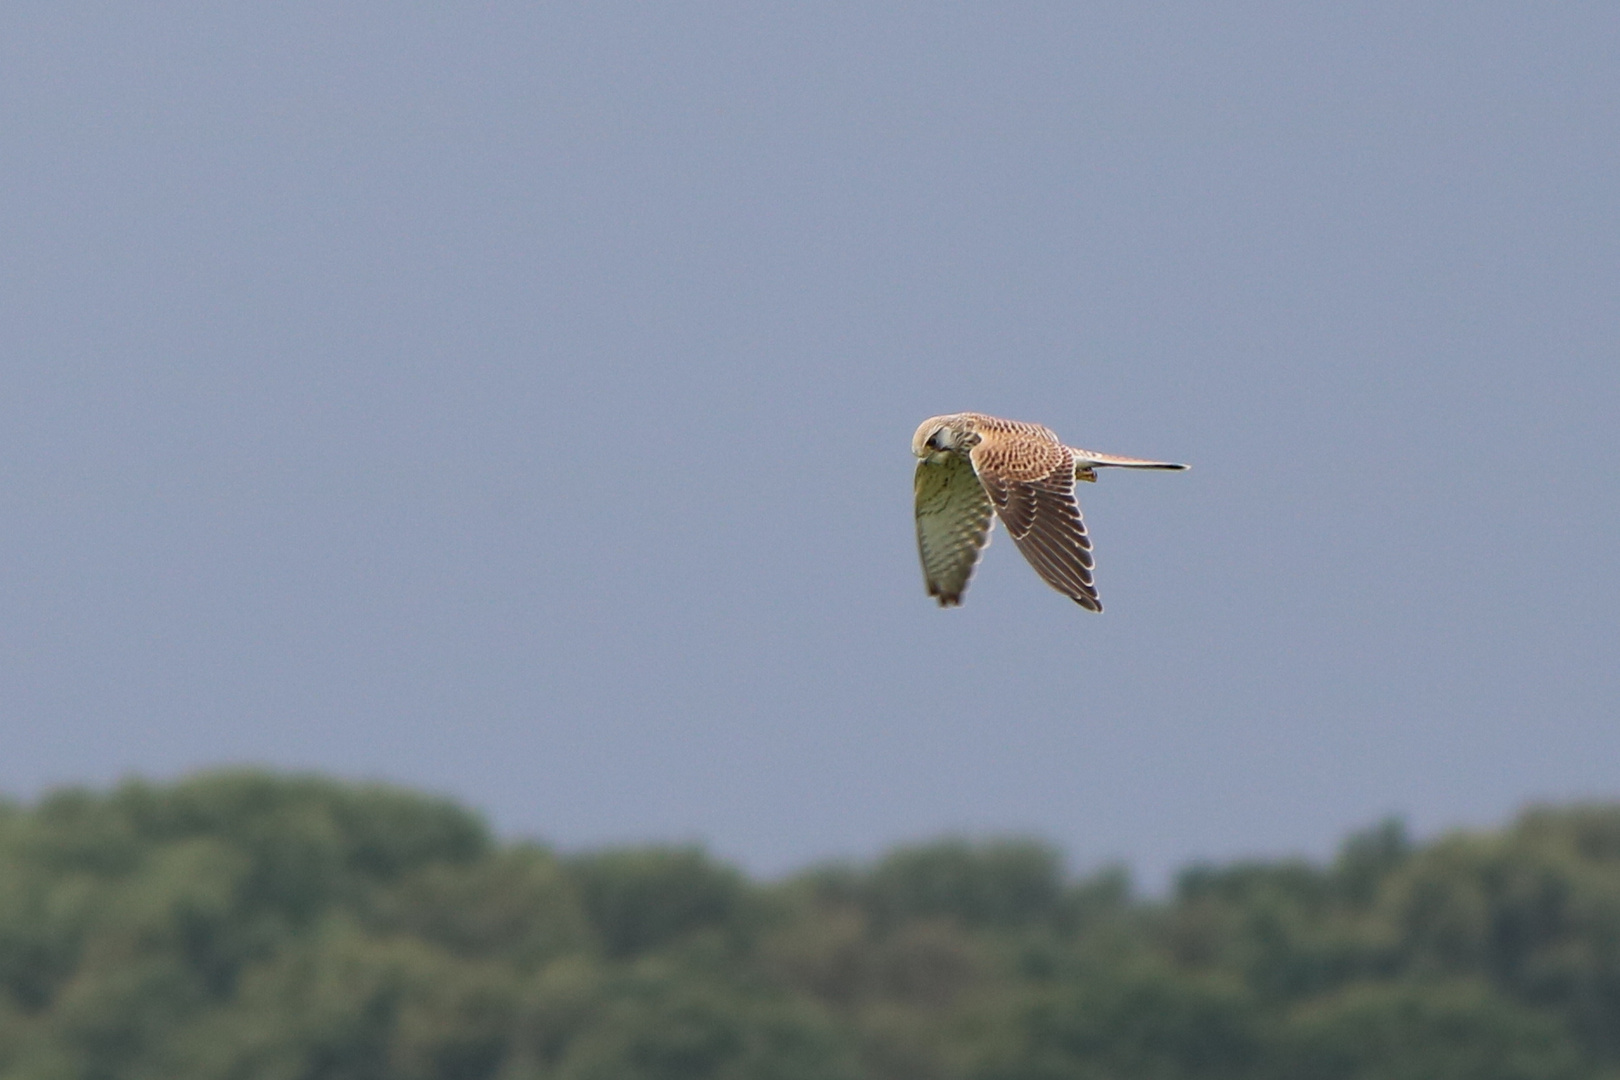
pixel 249 926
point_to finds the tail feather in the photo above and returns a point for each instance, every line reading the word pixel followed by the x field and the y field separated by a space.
pixel 1086 460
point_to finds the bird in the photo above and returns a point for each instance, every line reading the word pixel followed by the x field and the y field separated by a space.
pixel 973 468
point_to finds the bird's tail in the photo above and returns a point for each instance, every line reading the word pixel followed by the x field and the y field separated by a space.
pixel 1087 460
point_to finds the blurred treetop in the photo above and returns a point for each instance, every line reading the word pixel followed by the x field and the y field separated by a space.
pixel 260 927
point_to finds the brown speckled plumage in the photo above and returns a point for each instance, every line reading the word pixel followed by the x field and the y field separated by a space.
pixel 972 464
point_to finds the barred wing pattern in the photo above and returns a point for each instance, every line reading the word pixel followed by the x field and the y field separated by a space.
pixel 1043 516
pixel 953 525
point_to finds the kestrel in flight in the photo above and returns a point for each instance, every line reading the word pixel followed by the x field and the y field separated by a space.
pixel 972 464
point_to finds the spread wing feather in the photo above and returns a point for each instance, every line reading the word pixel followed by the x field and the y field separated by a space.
pixel 1044 519
pixel 953 525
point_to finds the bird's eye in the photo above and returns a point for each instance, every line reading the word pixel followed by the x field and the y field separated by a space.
pixel 933 442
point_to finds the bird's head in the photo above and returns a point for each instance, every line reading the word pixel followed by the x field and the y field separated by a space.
pixel 943 435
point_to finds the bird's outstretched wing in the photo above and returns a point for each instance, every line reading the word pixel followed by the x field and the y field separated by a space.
pixel 953 525
pixel 1040 511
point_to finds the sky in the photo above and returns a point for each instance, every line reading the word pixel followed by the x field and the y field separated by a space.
pixel 514 401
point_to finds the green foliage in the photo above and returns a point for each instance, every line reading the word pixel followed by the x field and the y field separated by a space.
pixel 1002 883
pixel 656 1021
pixel 1445 1031
pixel 244 926
pixel 646 899
pixel 1157 1024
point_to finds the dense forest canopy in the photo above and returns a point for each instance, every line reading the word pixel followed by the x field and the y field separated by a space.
pixel 259 927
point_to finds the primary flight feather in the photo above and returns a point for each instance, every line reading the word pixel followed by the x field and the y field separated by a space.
pixel 974 468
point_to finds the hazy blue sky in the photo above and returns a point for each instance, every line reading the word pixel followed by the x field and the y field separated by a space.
pixel 514 400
